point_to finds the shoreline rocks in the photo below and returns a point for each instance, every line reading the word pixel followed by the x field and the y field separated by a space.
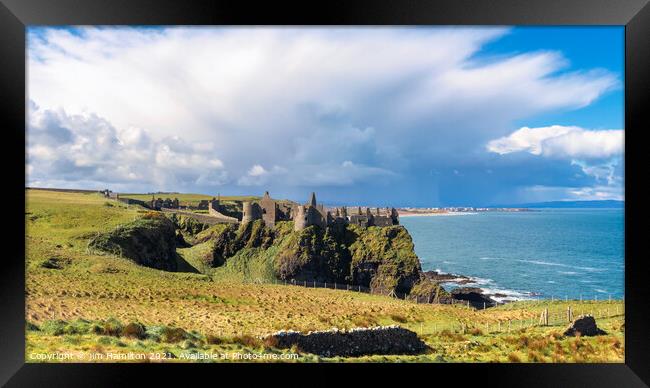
pixel 350 343
pixel 474 295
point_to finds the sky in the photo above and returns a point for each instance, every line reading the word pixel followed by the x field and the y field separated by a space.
pixel 391 116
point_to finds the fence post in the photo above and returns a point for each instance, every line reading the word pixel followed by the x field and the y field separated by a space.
pixel 314 283
pixel 546 316
pixel 306 284
pixel 468 303
pixel 483 305
pixel 359 288
pixel 566 298
pixel 581 298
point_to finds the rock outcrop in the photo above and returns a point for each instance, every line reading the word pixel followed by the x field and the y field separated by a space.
pixel 351 343
pixel 584 325
pixel 474 295
pixel 149 241
pixel 382 259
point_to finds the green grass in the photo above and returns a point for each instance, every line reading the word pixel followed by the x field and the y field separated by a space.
pixel 191 199
pixel 226 304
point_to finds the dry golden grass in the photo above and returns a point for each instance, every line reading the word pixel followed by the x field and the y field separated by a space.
pixel 93 287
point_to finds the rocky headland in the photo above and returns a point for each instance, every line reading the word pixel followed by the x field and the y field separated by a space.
pixel 380 259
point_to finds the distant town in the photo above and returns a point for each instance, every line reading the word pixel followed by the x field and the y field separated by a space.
pixel 414 211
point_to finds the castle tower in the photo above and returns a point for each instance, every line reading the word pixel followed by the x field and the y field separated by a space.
pixel 312 199
pixel 269 210
pixel 250 212
pixel 377 211
pixel 299 218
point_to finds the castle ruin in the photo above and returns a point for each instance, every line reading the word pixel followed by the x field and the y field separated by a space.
pixel 312 213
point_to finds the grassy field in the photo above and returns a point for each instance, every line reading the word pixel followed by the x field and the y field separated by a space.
pixel 190 199
pixel 70 292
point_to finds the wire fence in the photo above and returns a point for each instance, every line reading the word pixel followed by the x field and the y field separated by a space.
pixel 558 315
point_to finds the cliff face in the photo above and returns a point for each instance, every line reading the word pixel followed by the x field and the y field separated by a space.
pixel 149 241
pixel 380 258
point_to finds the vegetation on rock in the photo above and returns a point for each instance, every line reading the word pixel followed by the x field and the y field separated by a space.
pixel 149 241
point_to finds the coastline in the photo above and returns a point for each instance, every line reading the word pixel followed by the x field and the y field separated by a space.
pixel 435 214
pixel 473 290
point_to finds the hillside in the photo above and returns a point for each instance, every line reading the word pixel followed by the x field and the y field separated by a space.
pixel 81 301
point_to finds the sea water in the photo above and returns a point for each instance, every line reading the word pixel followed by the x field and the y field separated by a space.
pixel 547 253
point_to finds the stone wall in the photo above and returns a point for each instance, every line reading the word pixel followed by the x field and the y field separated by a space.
pixel 351 343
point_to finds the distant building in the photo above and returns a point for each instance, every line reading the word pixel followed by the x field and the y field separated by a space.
pixel 167 203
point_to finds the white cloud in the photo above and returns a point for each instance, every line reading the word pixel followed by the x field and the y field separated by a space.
pixel 180 107
pixel 560 193
pixel 94 153
pixel 561 142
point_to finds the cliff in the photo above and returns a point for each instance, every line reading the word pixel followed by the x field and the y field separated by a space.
pixel 149 241
pixel 382 259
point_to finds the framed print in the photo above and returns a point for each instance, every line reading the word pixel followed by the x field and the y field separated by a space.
pixel 451 186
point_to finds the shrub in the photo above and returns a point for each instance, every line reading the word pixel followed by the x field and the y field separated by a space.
pixel 172 334
pixel 535 357
pixel 61 327
pixel 398 318
pixel 31 326
pixel 246 340
pixel 54 327
pixel 271 341
pixel 112 327
pixel 475 331
pixel 451 335
pixel 514 357
pixel 213 339
pixel 134 330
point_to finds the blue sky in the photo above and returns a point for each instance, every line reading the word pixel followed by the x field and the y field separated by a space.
pixel 438 116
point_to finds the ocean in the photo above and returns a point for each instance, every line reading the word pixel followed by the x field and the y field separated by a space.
pixel 547 253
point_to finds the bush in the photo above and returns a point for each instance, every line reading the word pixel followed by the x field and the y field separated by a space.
pixel 134 330
pixel 271 341
pixel 475 331
pixel 112 327
pixel 514 357
pixel 246 340
pixel 213 339
pixel 31 326
pixel 54 327
pixel 172 334
pixel 398 318
pixel 60 327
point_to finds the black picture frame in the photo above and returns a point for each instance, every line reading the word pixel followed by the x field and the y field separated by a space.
pixel 15 15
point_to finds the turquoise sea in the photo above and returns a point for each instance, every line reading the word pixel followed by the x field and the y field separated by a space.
pixel 540 254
